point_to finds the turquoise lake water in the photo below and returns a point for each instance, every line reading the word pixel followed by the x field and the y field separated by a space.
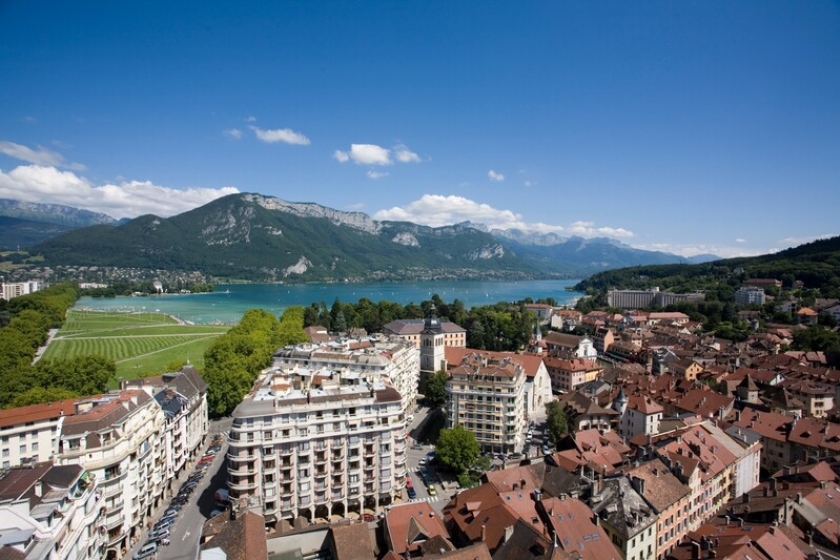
pixel 229 302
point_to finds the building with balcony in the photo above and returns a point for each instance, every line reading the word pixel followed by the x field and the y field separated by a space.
pixel 182 396
pixel 410 330
pixel 51 512
pixel 486 395
pixel 318 442
pixel 117 437
pixel 393 361
pixel 29 434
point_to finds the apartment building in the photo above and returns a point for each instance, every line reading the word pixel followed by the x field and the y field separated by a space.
pixel 318 442
pixel 51 512
pixel 750 295
pixel 117 438
pixel 182 396
pixel 628 520
pixel 569 374
pixel 640 299
pixel 486 395
pixel 640 415
pixel 9 290
pixel 378 357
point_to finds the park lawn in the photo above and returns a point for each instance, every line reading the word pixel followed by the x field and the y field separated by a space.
pixel 140 346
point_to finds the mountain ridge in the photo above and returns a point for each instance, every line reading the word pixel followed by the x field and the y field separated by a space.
pixel 259 237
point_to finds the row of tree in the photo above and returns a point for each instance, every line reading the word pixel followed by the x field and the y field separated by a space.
pixel 233 362
pixel 27 321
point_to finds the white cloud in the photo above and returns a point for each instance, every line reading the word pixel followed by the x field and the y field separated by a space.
pixel 365 154
pixel 250 119
pixel 234 133
pixel 439 210
pixel 689 250
pixel 404 155
pixel 128 199
pixel 39 156
pixel 495 176
pixel 528 184
pixel 740 240
pixel 355 207
pixel 285 135
pixel 376 174
pixel 588 229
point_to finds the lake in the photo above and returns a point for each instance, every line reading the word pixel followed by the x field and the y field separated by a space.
pixel 229 301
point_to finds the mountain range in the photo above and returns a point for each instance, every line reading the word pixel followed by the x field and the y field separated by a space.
pixel 257 237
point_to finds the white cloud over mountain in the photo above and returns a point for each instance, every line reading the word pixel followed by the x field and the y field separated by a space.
pixel 128 199
pixel 439 210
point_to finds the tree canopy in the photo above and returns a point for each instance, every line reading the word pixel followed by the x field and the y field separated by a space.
pixel 435 388
pixel 457 448
pixel 233 362
pixel 557 422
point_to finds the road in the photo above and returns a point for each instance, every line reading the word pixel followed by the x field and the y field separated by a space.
pixel 186 531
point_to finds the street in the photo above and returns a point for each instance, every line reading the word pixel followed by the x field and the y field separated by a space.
pixel 186 531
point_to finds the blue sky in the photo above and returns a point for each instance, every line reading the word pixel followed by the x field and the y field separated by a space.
pixel 682 126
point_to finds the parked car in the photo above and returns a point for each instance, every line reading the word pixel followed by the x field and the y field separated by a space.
pixel 147 550
pixel 157 534
pixel 368 517
pixel 412 493
pixel 206 459
pixel 432 491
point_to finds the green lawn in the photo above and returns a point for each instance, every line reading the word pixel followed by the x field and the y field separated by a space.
pixel 141 344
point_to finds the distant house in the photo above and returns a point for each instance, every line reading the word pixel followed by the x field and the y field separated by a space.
pixel 763 282
pixel 807 316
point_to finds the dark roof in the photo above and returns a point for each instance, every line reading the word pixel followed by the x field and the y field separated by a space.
pixel 240 539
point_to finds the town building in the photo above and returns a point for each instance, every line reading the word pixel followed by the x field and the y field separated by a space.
pixel 537 380
pixel 627 518
pixel 117 438
pixel 750 295
pixel 640 415
pixel 569 374
pixel 410 330
pixel 9 290
pixel 51 512
pixel 486 395
pixel 394 361
pixel 183 398
pixel 642 299
pixel 569 346
pixel 312 443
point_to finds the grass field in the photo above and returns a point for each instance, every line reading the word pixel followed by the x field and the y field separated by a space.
pixel 141 344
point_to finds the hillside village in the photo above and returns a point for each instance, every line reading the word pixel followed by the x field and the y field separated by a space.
pixel 679 445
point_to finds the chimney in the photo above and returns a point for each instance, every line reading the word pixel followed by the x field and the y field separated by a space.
pixel 483 533
pixel 39 489
pixel 695 550
pixel 799 498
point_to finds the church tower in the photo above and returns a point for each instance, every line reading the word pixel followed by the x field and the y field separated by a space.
pixel 432 350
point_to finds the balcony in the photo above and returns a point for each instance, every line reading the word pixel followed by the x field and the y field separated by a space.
pixel 243 484
pixel 114 539
pixel 321 474
pixel 241 457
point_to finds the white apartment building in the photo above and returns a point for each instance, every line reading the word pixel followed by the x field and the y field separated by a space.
pixel 392 360
pixel 313 443
pixel 117 438
pixel 750 295
pixel 486 395
pixel 133 441
pixel 14 289
pixel 51 513
pixel 183 398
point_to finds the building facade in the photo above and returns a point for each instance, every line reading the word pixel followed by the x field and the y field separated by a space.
pixel 11 290
pixel 750 295
pixel 314 443
pixel 486 395
pixel 392 360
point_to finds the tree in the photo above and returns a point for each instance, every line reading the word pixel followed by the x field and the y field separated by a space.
pixel 435 390
pixel 557 422
pixel 457 448
pixel 37 395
